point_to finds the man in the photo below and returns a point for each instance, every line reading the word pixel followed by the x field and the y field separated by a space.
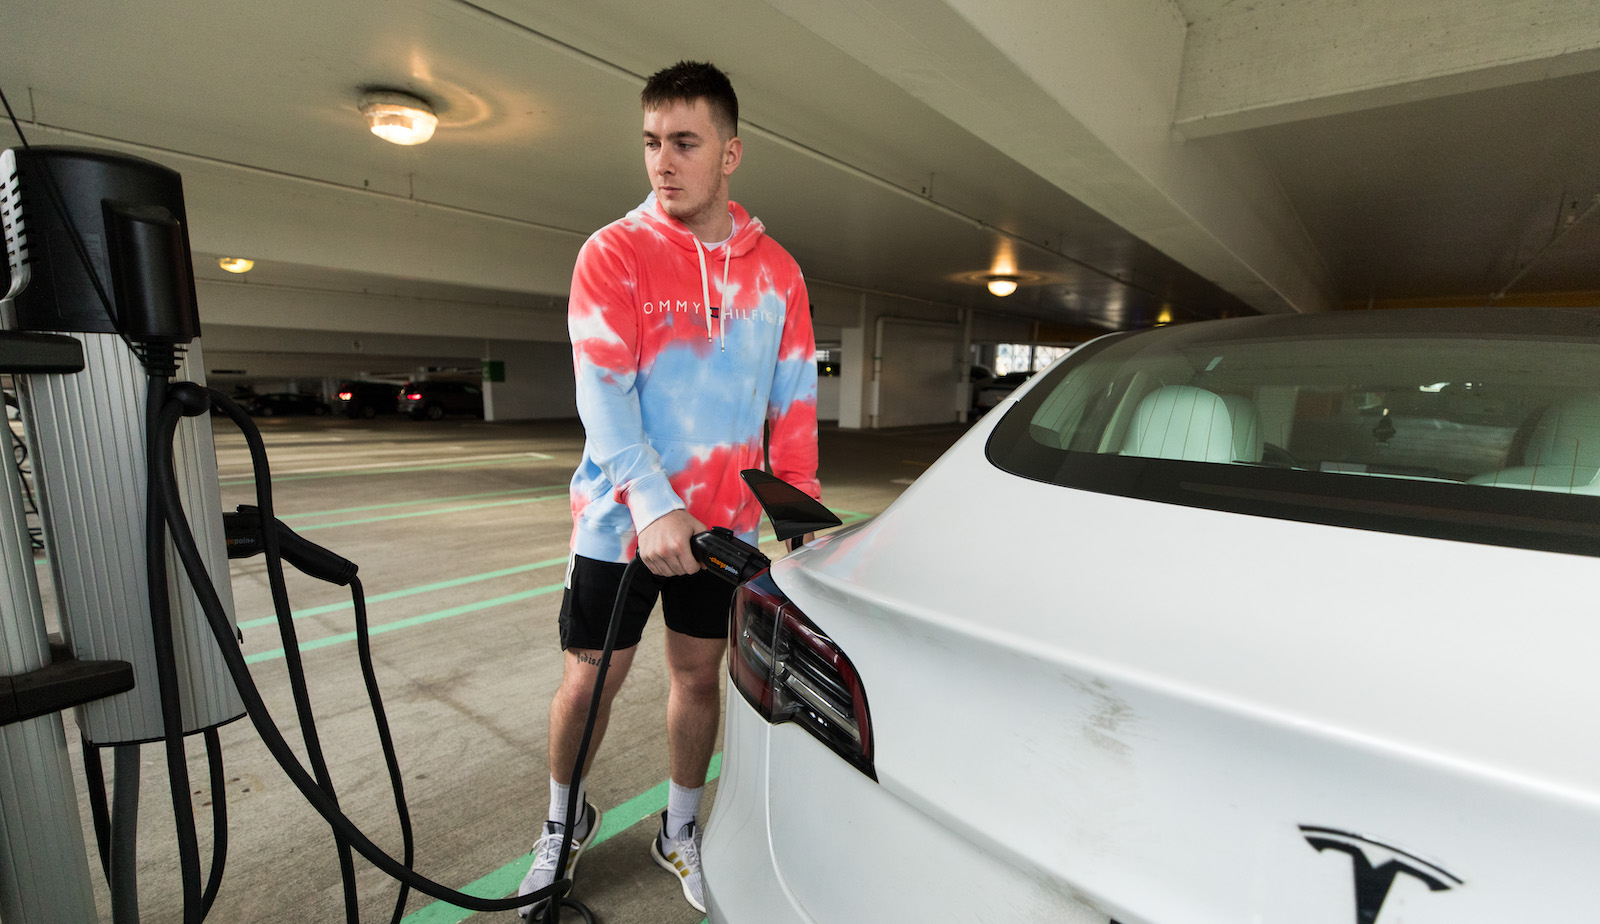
pixel 691 332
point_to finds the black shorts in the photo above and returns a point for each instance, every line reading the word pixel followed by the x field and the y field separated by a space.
pixel 694 604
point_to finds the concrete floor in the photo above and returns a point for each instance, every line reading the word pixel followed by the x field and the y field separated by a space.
pixel 460 529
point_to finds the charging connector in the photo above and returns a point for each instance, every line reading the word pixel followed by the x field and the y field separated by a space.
pixel 243 536
pixel 727 556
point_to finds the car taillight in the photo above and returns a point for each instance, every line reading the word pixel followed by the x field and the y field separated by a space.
pixel 789 671
pixel 344 396
pixel 414 396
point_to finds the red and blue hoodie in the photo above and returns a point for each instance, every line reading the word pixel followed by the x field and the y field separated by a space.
pixel 674 394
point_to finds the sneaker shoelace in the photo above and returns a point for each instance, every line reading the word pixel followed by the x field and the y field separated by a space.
pixel 690 846
pixel 547 850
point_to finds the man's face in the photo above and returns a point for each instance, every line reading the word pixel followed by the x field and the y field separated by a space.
pixel 688 160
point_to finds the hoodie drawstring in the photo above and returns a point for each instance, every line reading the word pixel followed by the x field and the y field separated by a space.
pixel 705 290
pixel 722 316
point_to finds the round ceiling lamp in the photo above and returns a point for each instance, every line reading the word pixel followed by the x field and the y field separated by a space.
pixel 236 264
pixel 1001 286
pixel 398 117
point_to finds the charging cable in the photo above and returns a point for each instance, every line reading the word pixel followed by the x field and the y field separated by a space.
pixel 188 399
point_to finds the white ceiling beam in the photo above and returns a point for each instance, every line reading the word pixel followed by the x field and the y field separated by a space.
pixel 1255 65
pixel 375 319
pixel 246 211
pixel 1081 92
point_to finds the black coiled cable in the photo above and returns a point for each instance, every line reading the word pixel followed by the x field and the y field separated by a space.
pixel 166 656
pixel 165 493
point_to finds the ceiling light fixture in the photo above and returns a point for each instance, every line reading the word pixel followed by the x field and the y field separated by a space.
pixel 236 264
pixel 1001 286
pixel 398 117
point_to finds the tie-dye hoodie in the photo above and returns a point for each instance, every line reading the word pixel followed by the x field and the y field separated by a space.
pixel 673 397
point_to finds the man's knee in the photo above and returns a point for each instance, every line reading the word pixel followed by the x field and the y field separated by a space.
pixel 699 680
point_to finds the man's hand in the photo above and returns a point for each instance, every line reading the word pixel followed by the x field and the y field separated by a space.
pixel 664 544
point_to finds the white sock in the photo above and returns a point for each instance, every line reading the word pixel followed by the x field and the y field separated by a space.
pixel 559 794
pixel 683 804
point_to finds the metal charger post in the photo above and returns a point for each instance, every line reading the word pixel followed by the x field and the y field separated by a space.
pixel 44 871
pixel 99 252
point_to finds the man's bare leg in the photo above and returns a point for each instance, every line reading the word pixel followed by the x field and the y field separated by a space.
pixel 569 709
pixel 693 710
pixel 694 704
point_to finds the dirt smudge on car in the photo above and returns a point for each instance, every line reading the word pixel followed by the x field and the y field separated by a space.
pixel 1106 720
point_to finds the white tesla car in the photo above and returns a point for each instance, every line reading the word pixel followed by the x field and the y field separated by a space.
pixel 1280 620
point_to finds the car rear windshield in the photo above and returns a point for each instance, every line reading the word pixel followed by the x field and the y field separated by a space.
pixel 1475 425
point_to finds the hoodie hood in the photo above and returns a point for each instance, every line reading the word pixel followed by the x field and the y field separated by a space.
pixel 747 229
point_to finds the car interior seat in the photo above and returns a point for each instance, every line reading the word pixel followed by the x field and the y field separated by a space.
pixel 1194 425
pixel 1563 451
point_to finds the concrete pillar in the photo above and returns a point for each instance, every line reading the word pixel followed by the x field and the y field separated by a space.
pixel 539 382
pixel 855 364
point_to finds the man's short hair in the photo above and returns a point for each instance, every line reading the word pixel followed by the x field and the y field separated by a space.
pixel 688 81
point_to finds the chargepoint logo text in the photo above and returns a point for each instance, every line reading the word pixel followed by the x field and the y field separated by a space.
pixel 1376 865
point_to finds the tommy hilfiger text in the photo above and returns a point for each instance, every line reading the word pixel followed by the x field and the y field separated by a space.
pixel 692 307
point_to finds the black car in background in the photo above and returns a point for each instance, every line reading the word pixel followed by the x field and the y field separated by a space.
pixel 366 399
pixel 283 404
pixel 996 390
pixel 435 399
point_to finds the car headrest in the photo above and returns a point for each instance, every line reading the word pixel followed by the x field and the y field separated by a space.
pixel 1568 433
pixel 1194 425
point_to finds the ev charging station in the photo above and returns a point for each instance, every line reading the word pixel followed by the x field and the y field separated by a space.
pixel 99 319
pixel 101 280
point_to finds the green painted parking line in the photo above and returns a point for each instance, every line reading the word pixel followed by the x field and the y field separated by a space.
pixel 381 628
pixel 366 472
pixel 414 503
pixel 429 513
pixel 409 591
pixel 507 879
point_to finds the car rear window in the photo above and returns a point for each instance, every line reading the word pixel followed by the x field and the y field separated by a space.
pixel 1476 425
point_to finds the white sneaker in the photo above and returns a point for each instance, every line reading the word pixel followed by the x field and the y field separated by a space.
pixel 680 856
pixel 547 851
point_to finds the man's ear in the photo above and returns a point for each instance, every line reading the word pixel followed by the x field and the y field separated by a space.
pixel 731 155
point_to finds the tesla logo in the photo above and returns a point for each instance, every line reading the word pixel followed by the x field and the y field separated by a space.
pixel 1375 865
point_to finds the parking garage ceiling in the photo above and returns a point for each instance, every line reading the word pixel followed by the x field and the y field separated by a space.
pixel 1126 159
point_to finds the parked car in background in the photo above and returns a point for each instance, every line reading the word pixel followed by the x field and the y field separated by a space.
pixel 996 390
pixel 977 377
pixel 282 404
pixel 434 400
pixel 1290 623
pixel 366 399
